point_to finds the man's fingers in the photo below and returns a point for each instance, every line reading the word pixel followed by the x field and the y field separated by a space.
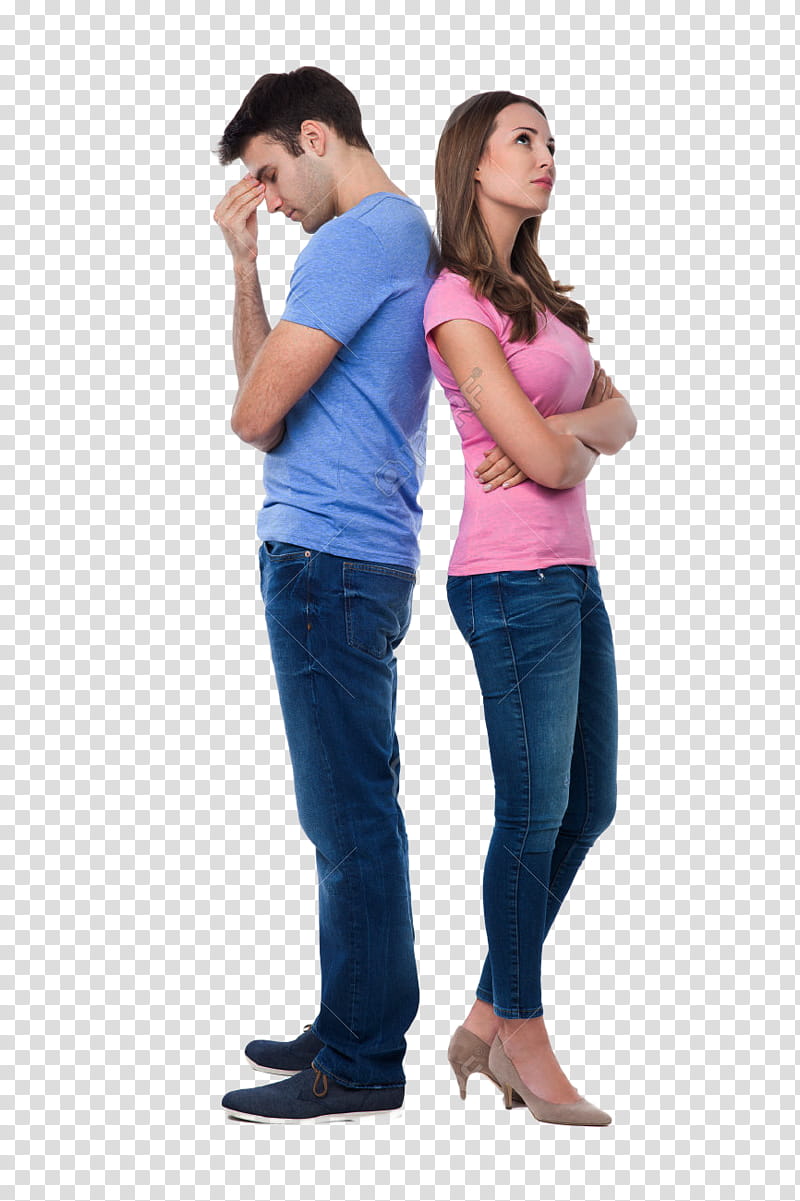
pixel 242 196
pixel 242 204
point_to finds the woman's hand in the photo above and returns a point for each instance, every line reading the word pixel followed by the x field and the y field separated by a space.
pixel 497 469
pixel 600 389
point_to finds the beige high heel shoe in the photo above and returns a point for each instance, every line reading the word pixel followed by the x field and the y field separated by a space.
pixel 468 1053
pixel 566 1113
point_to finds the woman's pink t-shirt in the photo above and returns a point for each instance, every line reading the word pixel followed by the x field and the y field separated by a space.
pixel 527 526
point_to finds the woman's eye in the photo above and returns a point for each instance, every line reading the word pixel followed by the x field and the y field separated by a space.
pixel 550 147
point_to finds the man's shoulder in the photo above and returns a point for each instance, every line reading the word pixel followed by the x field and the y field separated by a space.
pixel 367 236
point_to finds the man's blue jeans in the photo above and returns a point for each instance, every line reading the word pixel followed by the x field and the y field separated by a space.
pixel 544 657
pixel 334 625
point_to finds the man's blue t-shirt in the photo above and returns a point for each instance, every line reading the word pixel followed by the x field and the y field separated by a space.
pixel 346 475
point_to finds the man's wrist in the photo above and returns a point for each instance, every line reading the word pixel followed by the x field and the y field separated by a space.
pixel 244 268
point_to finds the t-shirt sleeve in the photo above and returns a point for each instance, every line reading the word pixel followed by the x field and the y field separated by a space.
pixel 451 297
pixel 341 277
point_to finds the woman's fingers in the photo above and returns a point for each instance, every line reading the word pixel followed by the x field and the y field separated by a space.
pixel 490 461
pixel 518 477
pixel 498 470
pixel 493 467
pixel 509 475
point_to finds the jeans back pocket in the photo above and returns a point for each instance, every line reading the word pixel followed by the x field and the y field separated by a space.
pixel 378 602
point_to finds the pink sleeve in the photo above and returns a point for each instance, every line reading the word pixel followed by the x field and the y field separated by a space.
pixel 450 297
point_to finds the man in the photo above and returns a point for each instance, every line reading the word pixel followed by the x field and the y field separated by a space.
pixel 336 396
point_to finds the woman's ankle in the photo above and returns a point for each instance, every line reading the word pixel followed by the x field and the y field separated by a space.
pixel 482 1019
pixel 529 1029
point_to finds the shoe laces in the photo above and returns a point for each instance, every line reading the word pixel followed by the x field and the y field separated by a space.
pixel 320 1075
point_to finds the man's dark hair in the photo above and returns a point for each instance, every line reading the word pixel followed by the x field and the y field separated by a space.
pixel 277 105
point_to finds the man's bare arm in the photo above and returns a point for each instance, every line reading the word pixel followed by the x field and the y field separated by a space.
pixel 236 216
pixel 250 328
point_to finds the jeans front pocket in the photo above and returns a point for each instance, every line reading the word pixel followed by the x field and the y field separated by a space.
pixel 284 552
pixel 378 601
pixel 273 557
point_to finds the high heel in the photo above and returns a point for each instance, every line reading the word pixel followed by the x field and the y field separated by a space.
pixel 567 1113
pixel 468 1053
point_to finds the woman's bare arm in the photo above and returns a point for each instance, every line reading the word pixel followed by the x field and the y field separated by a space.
pixel 475 356
pixel 607 426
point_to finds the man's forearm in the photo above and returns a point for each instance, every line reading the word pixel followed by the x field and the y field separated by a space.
pixel 250 324
pixel 606 426
pixel 250 328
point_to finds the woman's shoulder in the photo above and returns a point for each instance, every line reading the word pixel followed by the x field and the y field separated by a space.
pixel 450 283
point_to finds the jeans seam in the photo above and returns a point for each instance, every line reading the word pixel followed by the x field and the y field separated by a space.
pixel 352 1084
pixel 516 977
pixel 336 812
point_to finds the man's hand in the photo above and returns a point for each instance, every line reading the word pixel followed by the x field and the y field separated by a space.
pixel 498 469
pixel 236 216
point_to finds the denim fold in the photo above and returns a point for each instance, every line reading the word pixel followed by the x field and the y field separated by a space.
pixel 334 625
pixel 543 650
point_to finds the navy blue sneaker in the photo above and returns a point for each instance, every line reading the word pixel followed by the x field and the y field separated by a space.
pixel 311 1096
pixel 283 1059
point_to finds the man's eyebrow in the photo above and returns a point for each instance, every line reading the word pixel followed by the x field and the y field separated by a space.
pixel 528 129
pixel 261 170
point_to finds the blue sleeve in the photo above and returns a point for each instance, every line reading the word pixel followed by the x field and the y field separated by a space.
pixel 340 279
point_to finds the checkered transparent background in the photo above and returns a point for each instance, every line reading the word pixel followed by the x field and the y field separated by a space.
pixel 159 892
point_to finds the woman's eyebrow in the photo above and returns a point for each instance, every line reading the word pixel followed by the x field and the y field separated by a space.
pixel 528 129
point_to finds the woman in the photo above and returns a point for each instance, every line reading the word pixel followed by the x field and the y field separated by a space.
pixel 511 353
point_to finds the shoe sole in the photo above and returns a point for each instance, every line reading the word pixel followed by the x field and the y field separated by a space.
pixel 274 1071
pixel 324 1117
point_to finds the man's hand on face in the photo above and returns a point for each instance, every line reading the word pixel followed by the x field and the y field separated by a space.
pixel 236 216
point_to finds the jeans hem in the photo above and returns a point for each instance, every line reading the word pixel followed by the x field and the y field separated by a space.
pixel 516 1015
pixel 350 1084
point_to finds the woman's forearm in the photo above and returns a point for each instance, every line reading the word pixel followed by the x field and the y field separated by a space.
pixel 606 426
pixel 580 461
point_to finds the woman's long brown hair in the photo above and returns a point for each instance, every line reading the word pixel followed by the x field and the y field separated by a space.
pixel 461 241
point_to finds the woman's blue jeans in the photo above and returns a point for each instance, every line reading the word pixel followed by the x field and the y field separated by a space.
pixel 544 655
pixel 334 625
